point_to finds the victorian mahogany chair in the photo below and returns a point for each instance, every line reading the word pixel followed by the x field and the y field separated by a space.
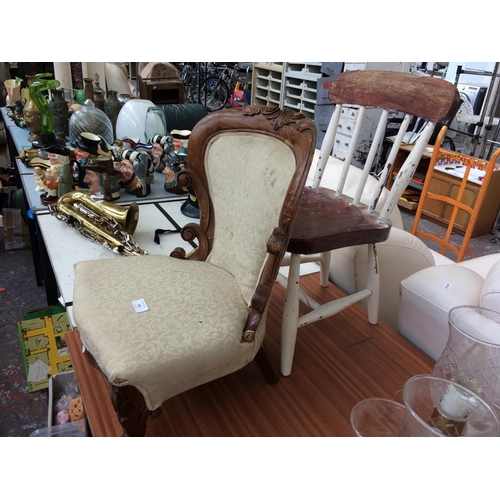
pixel 344 214
pixel 206 311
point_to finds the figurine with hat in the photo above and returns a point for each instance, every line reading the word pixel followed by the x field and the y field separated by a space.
pixel 57 178
pixel 86 149
pixel 98 174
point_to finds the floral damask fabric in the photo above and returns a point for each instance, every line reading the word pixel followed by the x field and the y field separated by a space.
pixel 181 341
pixel 197 311
pixel 247 192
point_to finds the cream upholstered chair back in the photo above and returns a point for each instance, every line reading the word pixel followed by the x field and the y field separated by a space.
pixel 229 158
pixel 241 173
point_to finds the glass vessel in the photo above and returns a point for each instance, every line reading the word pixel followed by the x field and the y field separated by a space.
pixel 90 119
pixel 472 354
pixel 441 407
pixel 155 123
pixel 377 417
pixel 433 407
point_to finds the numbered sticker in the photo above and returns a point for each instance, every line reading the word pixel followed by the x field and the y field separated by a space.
pixel 140 305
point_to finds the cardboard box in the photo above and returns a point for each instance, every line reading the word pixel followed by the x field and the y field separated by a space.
pixel 43 344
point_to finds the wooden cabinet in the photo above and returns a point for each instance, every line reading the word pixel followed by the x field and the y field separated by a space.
pixel 448 185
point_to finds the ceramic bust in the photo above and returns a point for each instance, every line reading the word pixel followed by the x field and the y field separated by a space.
pixel 57 179
pixel 86 149
pixel 141 164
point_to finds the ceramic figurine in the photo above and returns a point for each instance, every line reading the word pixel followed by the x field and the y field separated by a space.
pixel 57 178
pixel 141 165
pixel 86 148
pixel 61 163
pixel 159 143
pixel 106 152
pixel 98 172
pixel 38 174
pixel 129 180
pixel 174 163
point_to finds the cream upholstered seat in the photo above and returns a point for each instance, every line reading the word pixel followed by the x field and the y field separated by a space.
pixel 206 311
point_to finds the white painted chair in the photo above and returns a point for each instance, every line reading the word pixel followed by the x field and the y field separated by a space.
pixel 328 219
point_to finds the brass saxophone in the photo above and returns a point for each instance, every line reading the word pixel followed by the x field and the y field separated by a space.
pixel 101 221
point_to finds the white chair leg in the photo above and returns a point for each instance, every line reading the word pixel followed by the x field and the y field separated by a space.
pixel 324 268
pixel 373 284
pixel 290 316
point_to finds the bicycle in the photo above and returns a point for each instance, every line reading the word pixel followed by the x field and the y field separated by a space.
pixel 217 82
pixel 189 74
pixel 214 90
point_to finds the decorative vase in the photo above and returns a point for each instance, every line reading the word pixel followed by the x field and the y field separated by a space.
pixel 472 354
pixel 13 88
pixel 89 88
pixel 80 96
pixel 31 113
pixel 99 99
pixel 112 107
pixel 60 111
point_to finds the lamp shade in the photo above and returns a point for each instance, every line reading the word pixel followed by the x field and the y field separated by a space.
pixel 132 118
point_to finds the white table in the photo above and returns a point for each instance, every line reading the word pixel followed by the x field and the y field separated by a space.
pixel 65 246
pixel 18 139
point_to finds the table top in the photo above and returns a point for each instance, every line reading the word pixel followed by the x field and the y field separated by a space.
pixel 65 246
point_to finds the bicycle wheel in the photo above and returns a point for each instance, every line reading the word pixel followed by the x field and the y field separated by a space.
pixel 191 86
pixel 214 93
